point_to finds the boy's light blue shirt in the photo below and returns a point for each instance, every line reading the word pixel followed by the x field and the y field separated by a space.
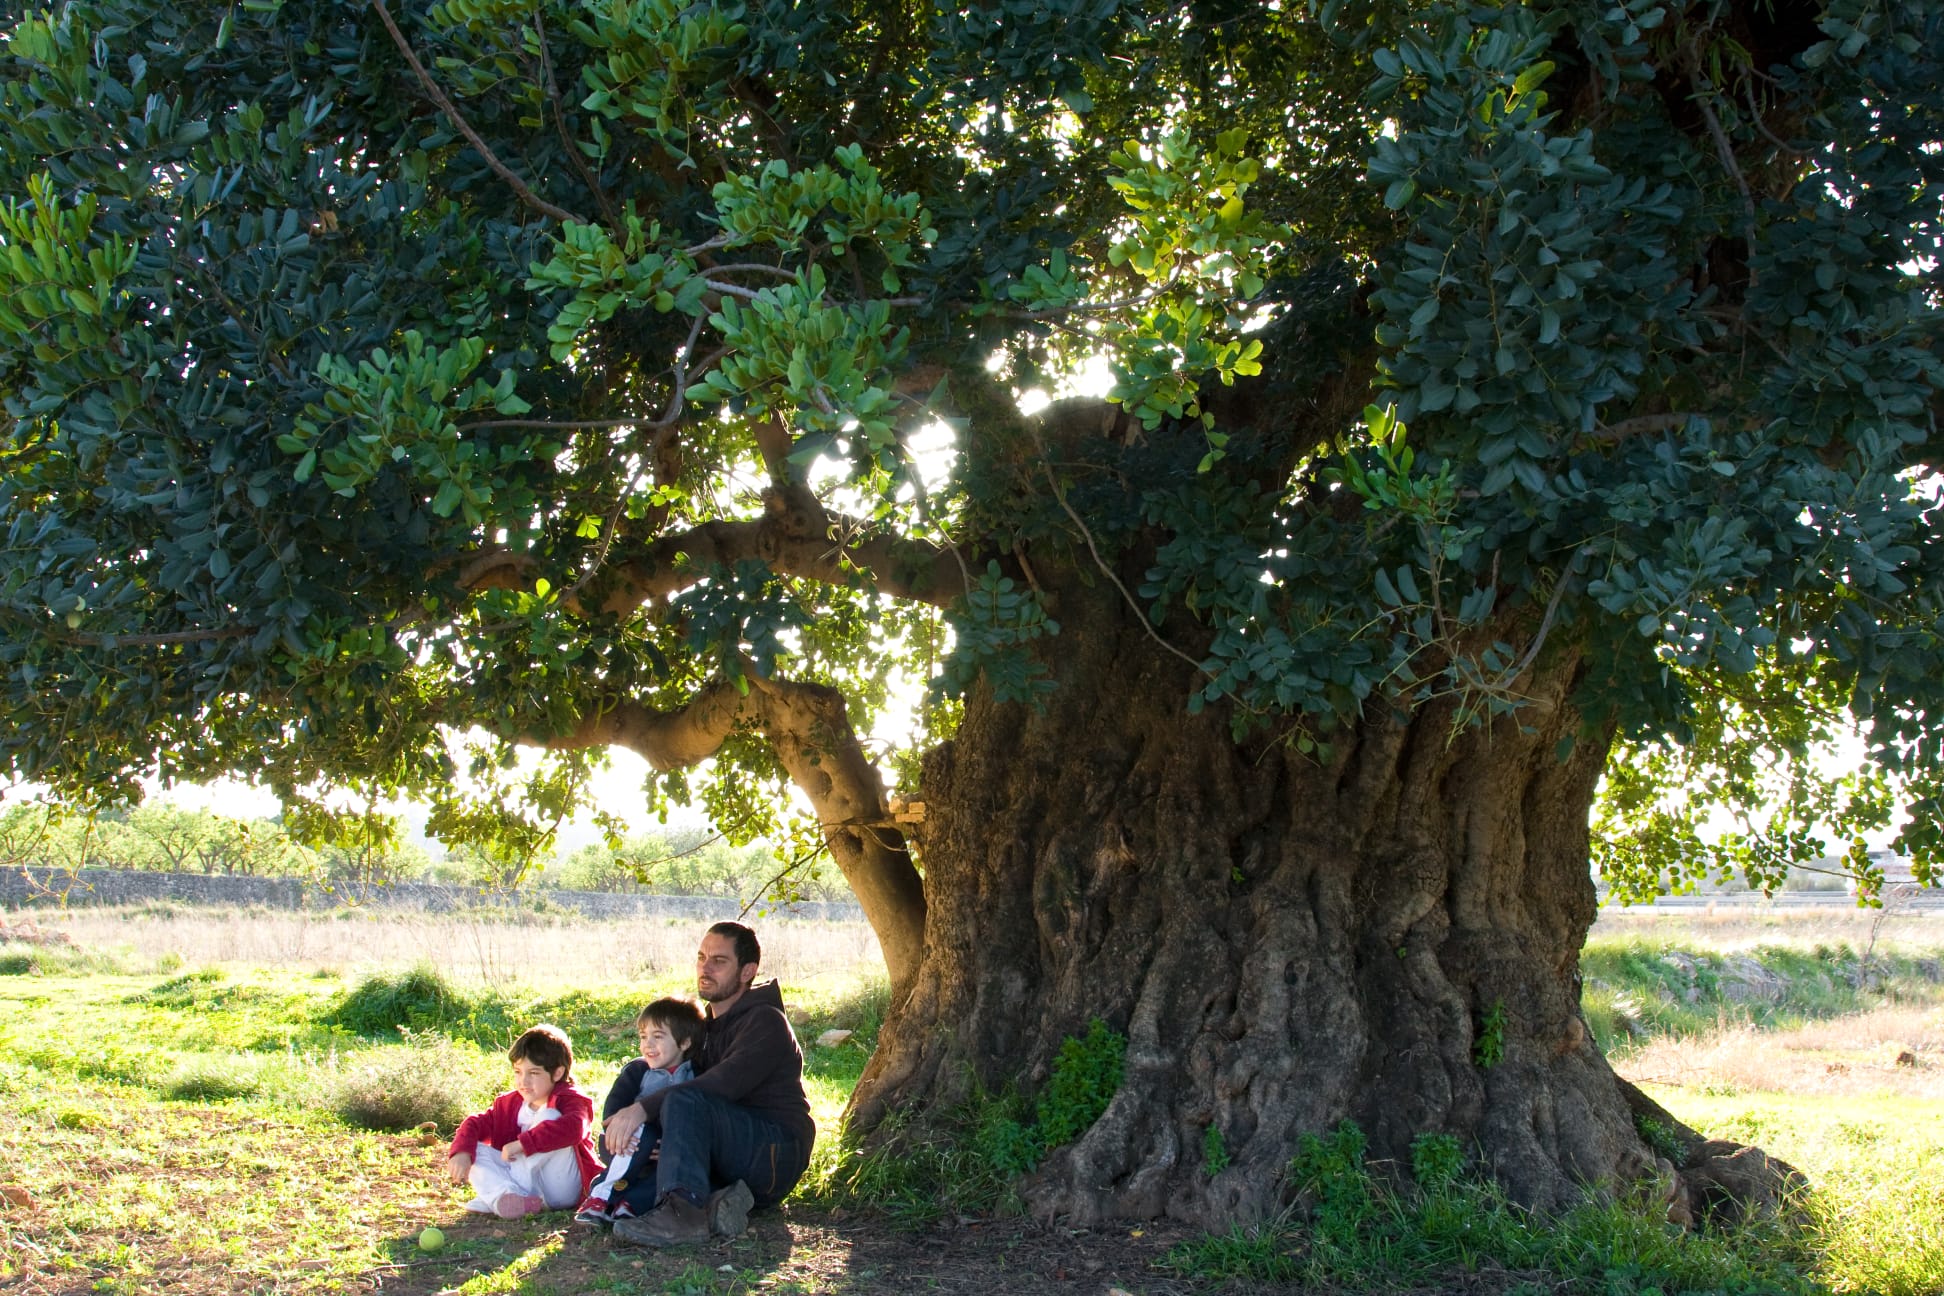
pixel 654 1080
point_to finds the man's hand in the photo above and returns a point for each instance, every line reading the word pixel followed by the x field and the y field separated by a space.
pixel 459 1165
pixel 514 1151
pixel 622 1127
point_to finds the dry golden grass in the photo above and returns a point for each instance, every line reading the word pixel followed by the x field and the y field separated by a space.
pixel 1730 928
pixel 1844 1056
pixel 493 950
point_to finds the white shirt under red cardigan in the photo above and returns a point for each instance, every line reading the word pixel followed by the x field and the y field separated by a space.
pixel 499 1125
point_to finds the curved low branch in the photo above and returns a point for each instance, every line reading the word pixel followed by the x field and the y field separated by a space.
pixel 796 536
pixel 809 727
pixel 667 740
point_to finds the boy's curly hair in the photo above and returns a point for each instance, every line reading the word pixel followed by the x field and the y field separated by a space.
pixel 678 1017
pixel 544 1046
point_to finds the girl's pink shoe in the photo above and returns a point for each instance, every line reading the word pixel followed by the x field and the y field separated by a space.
pixel 514 1205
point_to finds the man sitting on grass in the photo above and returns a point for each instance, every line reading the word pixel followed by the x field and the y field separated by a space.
pixel 533 1149
pixel 739 1134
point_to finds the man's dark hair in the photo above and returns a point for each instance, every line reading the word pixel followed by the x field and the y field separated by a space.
pixel 547 1047
pixel 747 950
pixel 678 1017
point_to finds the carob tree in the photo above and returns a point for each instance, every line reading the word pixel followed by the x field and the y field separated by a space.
pixel 1499 397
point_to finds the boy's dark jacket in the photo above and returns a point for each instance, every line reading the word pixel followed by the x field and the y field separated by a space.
pixel 748 1056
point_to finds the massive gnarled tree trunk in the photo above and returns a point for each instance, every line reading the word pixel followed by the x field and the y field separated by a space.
pixel 1285 942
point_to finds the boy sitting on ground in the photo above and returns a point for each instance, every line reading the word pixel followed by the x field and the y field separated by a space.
pixel 532 1150
pixel 667 1029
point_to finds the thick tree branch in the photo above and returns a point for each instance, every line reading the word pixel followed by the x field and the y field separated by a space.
pixel 809 727
pixel 796 536
pixel 668 740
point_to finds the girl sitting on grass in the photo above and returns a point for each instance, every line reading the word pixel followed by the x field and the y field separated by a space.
pixel 532 1150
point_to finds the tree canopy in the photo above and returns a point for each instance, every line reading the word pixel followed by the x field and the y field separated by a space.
pixel 571 371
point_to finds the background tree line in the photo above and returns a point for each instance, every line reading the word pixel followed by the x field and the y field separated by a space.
pixel 163 837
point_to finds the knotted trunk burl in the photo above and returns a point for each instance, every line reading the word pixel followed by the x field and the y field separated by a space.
pixel 1390 935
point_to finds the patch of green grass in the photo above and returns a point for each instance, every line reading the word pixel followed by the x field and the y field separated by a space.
pixel 1361 1232
pixel 966 1161
pixel 914 1177
pixel 1266 1255
pixel 1636 989
pixel 1876 1169
pixel 215 1078
pixel 55 960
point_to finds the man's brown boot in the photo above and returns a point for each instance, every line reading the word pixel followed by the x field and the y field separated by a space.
pixel 676 1222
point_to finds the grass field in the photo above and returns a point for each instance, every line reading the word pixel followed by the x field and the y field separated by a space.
pixel 187 1091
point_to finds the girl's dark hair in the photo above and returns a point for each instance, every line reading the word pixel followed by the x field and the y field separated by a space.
pixel 678 1017
pixel 547 1047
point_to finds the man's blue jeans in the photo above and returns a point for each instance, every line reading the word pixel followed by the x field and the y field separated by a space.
pixel 708 1143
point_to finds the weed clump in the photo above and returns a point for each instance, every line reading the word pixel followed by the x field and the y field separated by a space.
pixel 970 1164
pixel 1086 1076
pixel 214 1078
pixel 53 960
pixel 421 999
pixel 399 1087
pixel 1364 1231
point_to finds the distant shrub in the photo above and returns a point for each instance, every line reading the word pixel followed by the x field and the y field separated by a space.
pixel 400 1087
pixel 421 999
pixel 214 1078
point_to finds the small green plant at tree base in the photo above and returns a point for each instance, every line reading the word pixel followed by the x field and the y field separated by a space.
pixel 1086 1076
pixel 1215 1155
pixel 1488 1049
pixel 1436 1161
pixel 1662 1137
pixel 972 1167
pixel 1004 1142
pixel 1263 1254
pixel 1365 1232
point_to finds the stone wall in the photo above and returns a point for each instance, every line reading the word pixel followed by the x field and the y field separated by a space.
pixel 23 888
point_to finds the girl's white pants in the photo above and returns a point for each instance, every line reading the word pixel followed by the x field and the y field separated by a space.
pixel 554 1177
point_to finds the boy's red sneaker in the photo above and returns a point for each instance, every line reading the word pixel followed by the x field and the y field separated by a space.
pixel 593 1211
pixel 514 1205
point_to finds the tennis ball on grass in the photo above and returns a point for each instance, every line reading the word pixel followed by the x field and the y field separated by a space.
pixel 431 1239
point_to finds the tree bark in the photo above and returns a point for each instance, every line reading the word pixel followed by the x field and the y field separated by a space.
pixel 1389 936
